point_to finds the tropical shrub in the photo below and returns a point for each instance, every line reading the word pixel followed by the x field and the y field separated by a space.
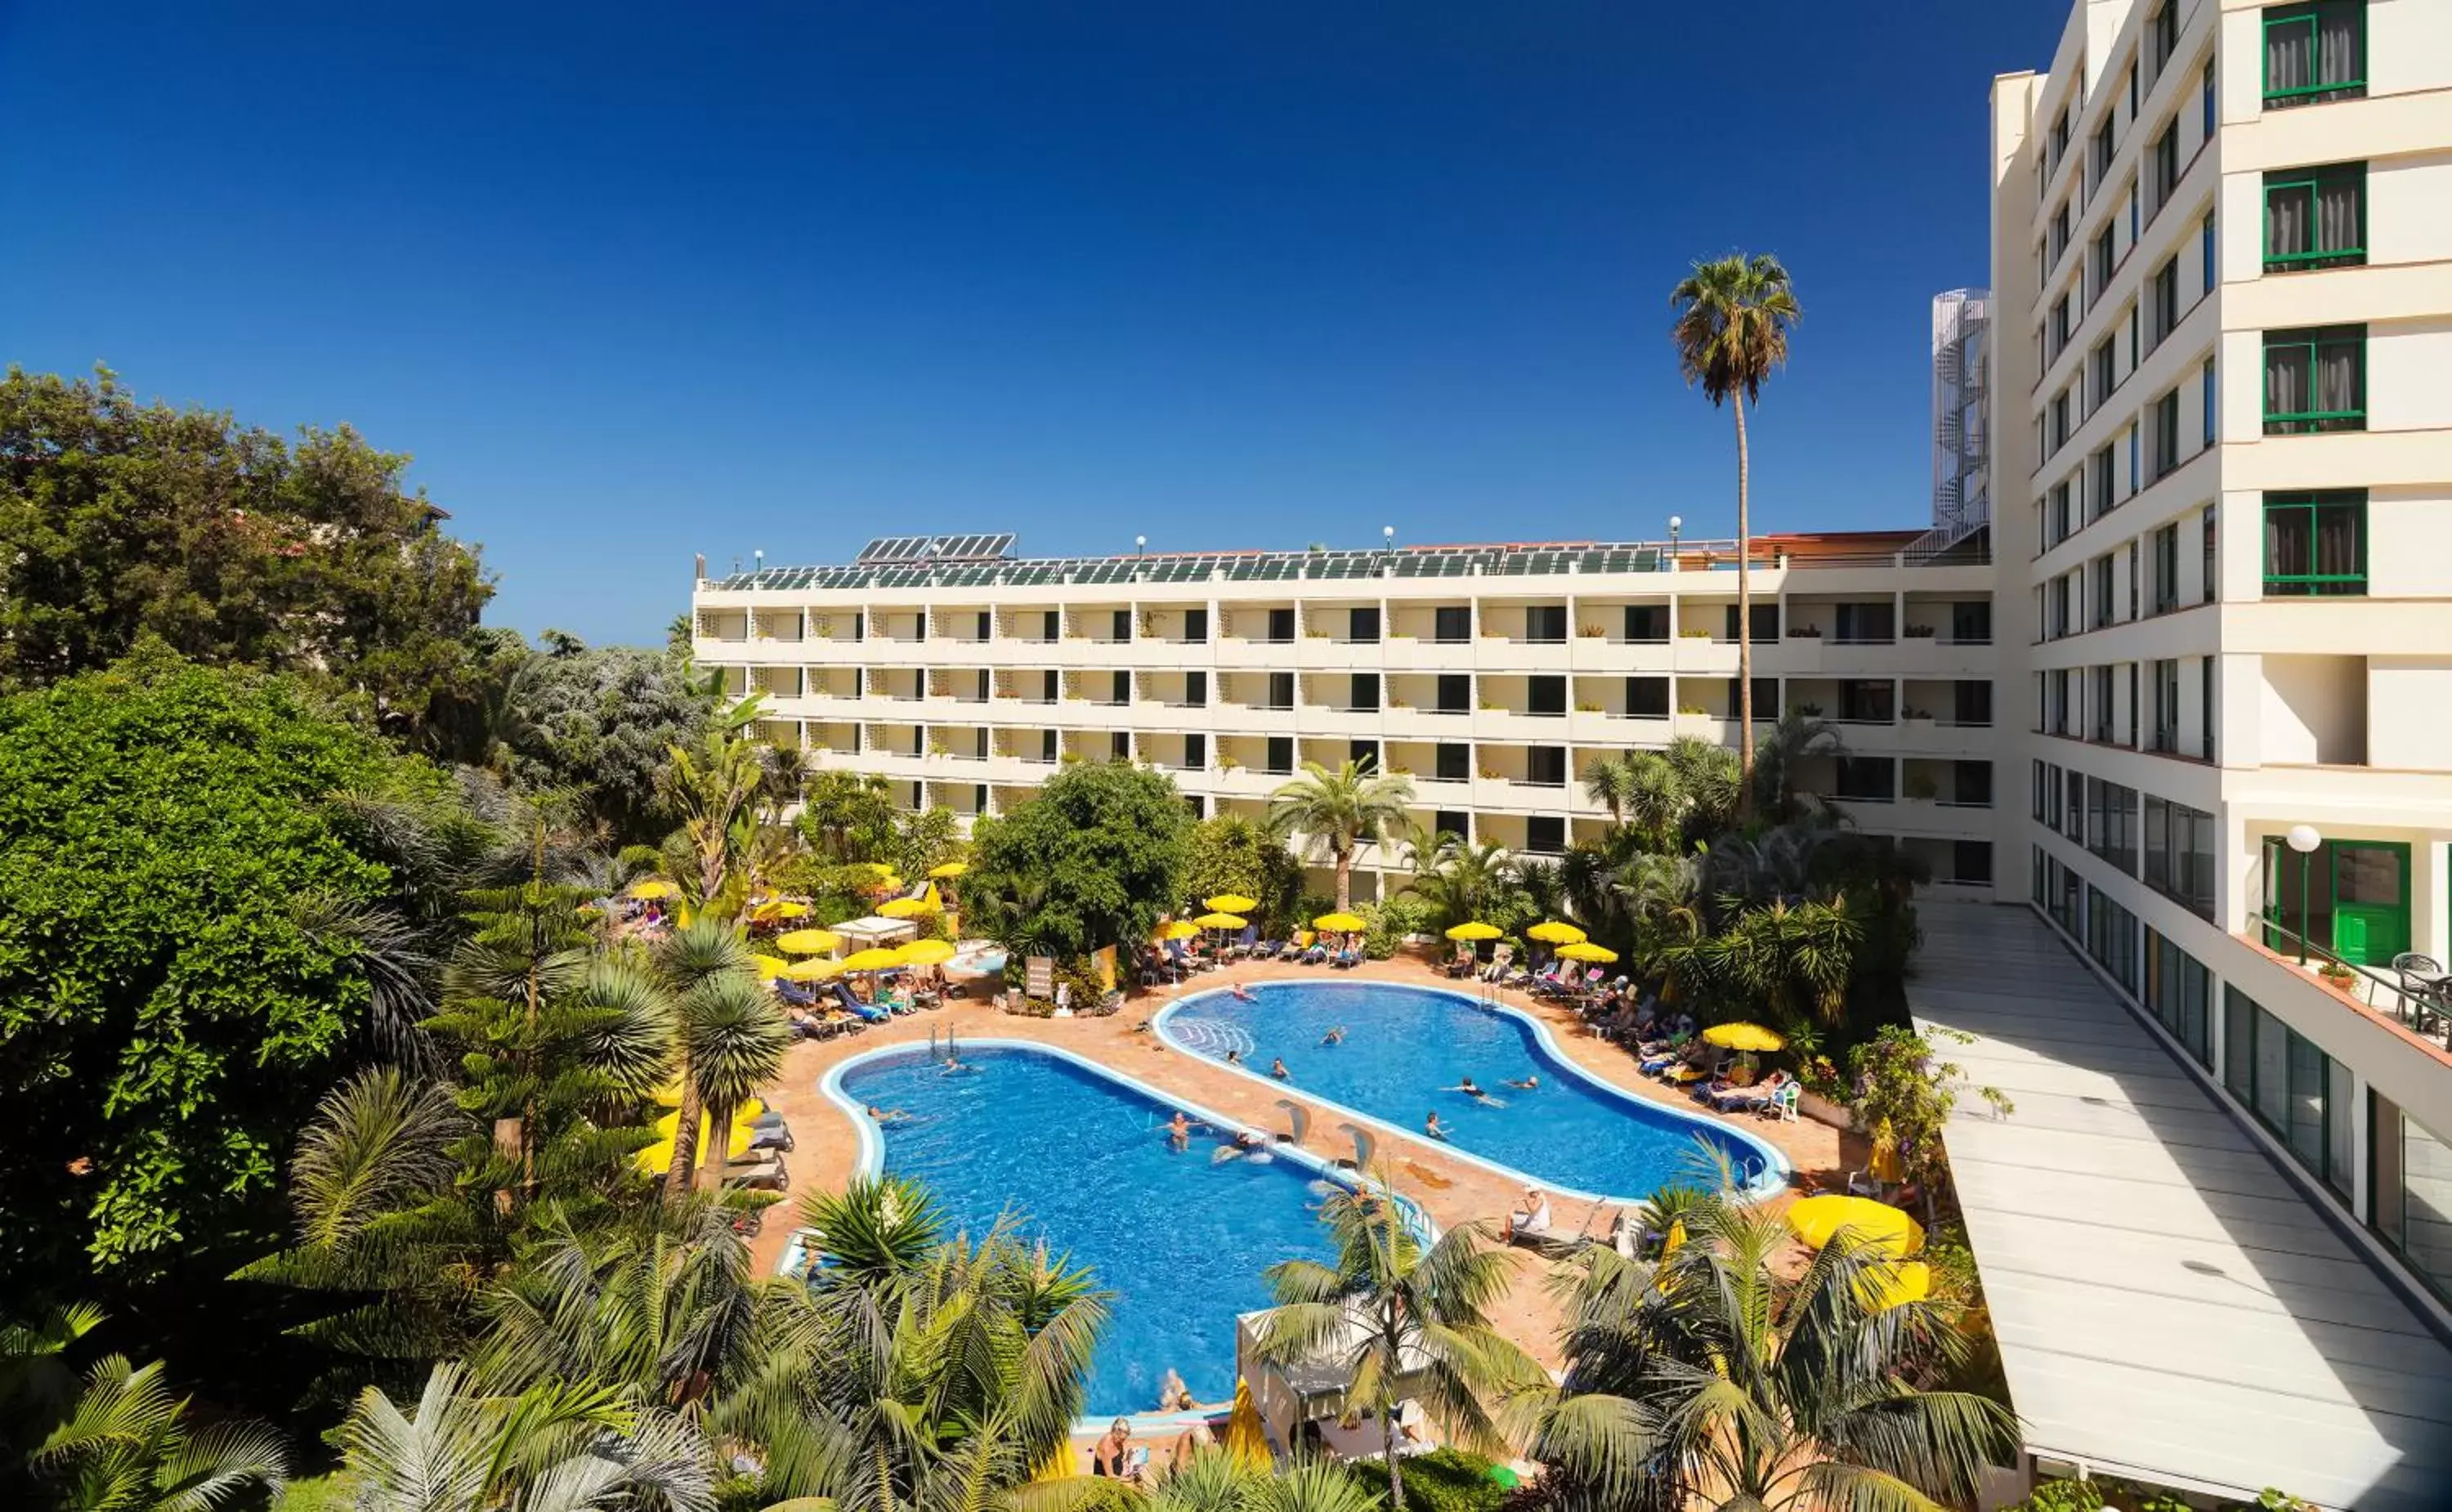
pixel 1092 858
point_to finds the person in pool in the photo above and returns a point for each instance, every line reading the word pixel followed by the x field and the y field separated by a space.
pixel 886 1115
pixel 1470 1090
pixel 1530 1083
pixel 1178 1131
pixel 1432 1125
pixel 1335 1035
pixel 954 1063
pixel 1173 1395
pixel 1277 1070
pixel 1246 1142
pixel 1241 994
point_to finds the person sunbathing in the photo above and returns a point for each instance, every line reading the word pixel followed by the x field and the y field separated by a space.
pixel 1533 1218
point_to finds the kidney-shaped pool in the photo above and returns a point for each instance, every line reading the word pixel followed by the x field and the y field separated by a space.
pixel 1405 1046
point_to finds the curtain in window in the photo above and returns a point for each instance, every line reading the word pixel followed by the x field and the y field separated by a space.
pixel 2337 378
pixel 2286 381
pixel 2337 45
pixel 2285 223
pixel 2337 541
pixel 2289 58
pixel 2285 542
pixel 2337 214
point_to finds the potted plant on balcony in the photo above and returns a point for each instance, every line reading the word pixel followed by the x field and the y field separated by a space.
pixel 1693 633
pixel 1919 632
pixel 2338 974
pixel 1590 632
pixel 1689 708
pixel 1804 632
pixel 1917 718
pixel 1920 787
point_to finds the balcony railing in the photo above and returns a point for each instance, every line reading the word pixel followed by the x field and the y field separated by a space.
pixel 2423 1009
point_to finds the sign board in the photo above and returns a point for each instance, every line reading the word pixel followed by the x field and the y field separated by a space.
pixel 1039 977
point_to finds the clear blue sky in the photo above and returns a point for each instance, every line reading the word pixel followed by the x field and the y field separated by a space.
pixel 634 282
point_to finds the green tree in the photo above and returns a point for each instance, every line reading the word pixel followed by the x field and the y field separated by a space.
pixel 600 723
pixel 713 787
pixel 120 520
pixel 1402 1320
pixel 1717 1380
pixel 1899 1078
pixel 1092 858
pixel 166 1015
pixel 924 839
pixel 1466 881
pixel 1733 319
pixel 127 1442
pixel 1230 853
pixel 1339 811
pixel 848 818
pixel 1793 958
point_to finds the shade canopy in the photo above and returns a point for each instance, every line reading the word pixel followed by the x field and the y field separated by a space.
pixel 907 908
pixel 1554 932
pixel 875 958
pixel 949 870
pixel 653 887
pixel 1176 930
pixel 769 967
pixel 808 942
pixel 1743 1036
pixel 1340 923
pixel 1474 930
pixel 926 953
pixel 1879 1226
pixel 1221 921
pixel 1587 950
pixel 1231 903
pixel 814 968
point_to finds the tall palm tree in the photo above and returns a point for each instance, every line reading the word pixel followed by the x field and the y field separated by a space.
pixel 1341 810
pixel 704 969
pixel 1709 778
pixel 1712 1379
pixel 1466 881
pixel 733 1033
pixel 713 789
pixel 1608 780
pixel 1733 318
pixel 127 1443
pixel 1401 1319
pixel 1797 738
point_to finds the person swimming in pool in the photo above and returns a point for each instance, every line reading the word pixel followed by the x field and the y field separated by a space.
pixel 1234 1056
pixel 887 1115
pixel 1241 994
pixel 1470 1090
pixel 1432 1125
pixel 1335 1035
pixel 1277 1070
pixel 1531 1083
pixel 1247 1142
pixel 954 1063
pixel 1178 1131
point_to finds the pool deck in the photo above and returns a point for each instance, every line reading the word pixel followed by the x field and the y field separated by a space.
pixel 1453 1191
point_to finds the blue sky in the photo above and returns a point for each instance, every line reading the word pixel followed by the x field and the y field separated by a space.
pixel 636 281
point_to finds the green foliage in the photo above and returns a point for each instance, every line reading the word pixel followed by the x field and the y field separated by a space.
pixel 923 839
pixel 1464 882
pixel 848 818
pixel 1230 853
pixel 1092 858
pixel 1337 811
pixel 166 1015
pixel 119 521
pixel 1441 1480
pixel 1898 1077
pixel 598 723
pixel 1392 920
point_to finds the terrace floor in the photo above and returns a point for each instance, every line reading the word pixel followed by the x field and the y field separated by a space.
pixel 2169 1305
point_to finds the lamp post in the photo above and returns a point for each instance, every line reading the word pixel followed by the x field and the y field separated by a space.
pixel 1676 523
pixel 2304 839
pixel 1141 545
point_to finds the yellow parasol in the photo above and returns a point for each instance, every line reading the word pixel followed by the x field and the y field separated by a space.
pixel 769 967
pixel 658 1158
pixel 1467 934
pixel 808 942
pixel 925 953
pixel 907 908
pixel 1879 1226
pixel 814 969
pixel 653 887
pixel 1340 923
pixel 1245 1441
pixel 949 871
pixel 1886 1165
pixel 1587 950
pixel 872 959
pixel 1886 1286
pixel 1550 931
pixel 1741 1036
pixel 1221 922
pixel 1231 903
pixel 789 910
pixel 1176 930
pixel 742 1118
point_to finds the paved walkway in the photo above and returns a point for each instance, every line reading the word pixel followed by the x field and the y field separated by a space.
pixel 2167 1301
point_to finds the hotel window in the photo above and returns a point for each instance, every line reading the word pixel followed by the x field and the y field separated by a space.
pixel 1647 697
pixel 1363 697
pixel 1121 629
pixel 1455 693
pixel 2315 53
pixel 1866 779
pixel 2316 544
pixel 2059 420
pixel 1970 784
pixel 1970 704
pixel 1195 626
pixel 2060 243
pixel 2136 458
pixel 2166 569
pixel 2165 295
pixel 2294 1089
pixel 2133 91
pixel 2060 606
pixel 2315 379
pixel 2211 723
pixel 2210 411
pixel 1868 700
pixel 2164 732
pixel 1766 700
pixel 2167 433
pixel 2212 576
pixel 2166 35
pixel 2166 166
pixel 1364 753
pixel 1766 625
pixel 2060 324
pixel 1545 834
pixel 2179 993
pixel 1455 762
pixel 1647 623
pixel 1362 627
pixel 2100 262
pixel 1051 627
pixel 1545 765
pixel 1119 748
pixel 2099 701
pixel 1452 624
pixel 2064 524
pixel 1453 821
pixel 2098 591
pixel 1047 746
pixel 2410 1190
pixel 1196 690
pixel 2316 217
pixel 1196 752
pixel 2206 98
pixel 1281 627
pixel 1546 696
pixel 2061 134
pixel 2103 146
pixel 2038 783
pixel 1971 862
pixel 1281 690
pixel 1970 622
pixel 2099 498
pixel 1546 624
pixel 2099 374
pixel 2136 211
pixel 2178 844
pixel 2206 273
pixel 2111 938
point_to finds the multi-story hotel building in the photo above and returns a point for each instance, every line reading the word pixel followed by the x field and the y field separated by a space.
pixel 2221 379
pixel 1489 675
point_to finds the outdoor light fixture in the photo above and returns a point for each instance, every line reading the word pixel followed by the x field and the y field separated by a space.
pixel 1676 523
pixel 2304 839
pixel 1140 544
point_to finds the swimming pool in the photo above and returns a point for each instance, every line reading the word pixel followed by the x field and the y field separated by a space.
pixel 1082 1152
pixel 1575 1134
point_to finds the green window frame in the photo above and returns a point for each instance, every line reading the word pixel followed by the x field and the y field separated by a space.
pixel 2313 346
pixel 2298 522
pixel 2308 187
pixel 2305 23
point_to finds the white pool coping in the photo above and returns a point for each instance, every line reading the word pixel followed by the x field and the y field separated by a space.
pixel 1776 1173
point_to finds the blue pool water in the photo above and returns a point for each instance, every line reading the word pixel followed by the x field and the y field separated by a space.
pixel 1180 1240
pixel 1404 1045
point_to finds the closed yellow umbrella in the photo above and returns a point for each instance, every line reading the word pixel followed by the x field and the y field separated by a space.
pixel 1743 1036
pixel 769 967
pixel 926 953
pixel 1176 930
pixel 1231 903
pixel 1340 923
pixel 1879 1226
pixel 658 1158
pixel 1245 1440
pixel 743 1118
pixel 814 969
pixel 907 908
pixel 949 871
pixel 873 959
pixel 1552 931
pixel 1475 930
pixel 1886 1165
pixel 1221 922
pixel 790 910
pixel 1587 950
pixel 808 942
pixel 653 887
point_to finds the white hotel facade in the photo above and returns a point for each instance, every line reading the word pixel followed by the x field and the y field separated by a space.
pixel 2213 607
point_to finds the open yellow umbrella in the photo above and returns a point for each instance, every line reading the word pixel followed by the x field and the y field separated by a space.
pixel 949 871
pixel 873 959
pixel 1231 903
pixel 1176 930
pixel 1221 922
pixel 808 942
pixel 926 953
pixel 789 909
pixel 653 887
pixel 1340 923
pixel 769 967
pixel 1743 1036
pixel 1245 1440
pixel 1466 933
pixel 814 968
pixel 1886 1286
pixel 1552 931
pixel 1881 1227
pixel 907 908
pixel 1886 1165
pixel 1587 950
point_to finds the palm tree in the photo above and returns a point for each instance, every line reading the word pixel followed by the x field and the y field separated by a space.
pixel 713 789
pixel 1711 1380
pixel 1401 1320
pixel 1708 779
pixel 127 1443
pixel 1733 318
pixel 1798 736
pixel 1608 780
pixel 722 1013
pixel 1211 1481
pixel 1341 810
pixel 1468 881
